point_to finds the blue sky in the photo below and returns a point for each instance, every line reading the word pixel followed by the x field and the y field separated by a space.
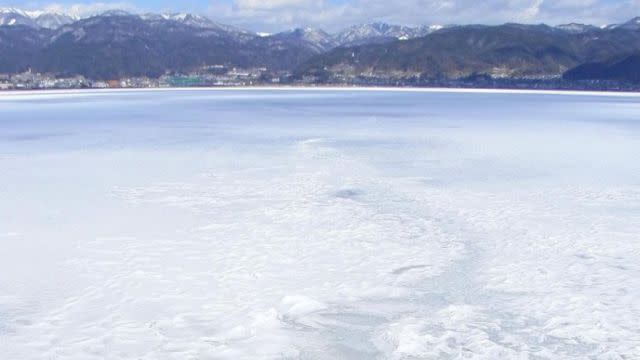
pixel 273 15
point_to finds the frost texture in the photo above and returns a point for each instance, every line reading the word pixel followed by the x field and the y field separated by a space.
pixel 319 225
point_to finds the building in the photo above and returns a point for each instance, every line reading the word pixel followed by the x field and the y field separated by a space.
pixel 5 85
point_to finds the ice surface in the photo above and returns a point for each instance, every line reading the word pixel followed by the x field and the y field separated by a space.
pixel 259 224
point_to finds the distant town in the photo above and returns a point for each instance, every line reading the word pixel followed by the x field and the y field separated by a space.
pixel 215 75
pixel 228 76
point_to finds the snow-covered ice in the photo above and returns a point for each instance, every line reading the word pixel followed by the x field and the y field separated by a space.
pixel 328 224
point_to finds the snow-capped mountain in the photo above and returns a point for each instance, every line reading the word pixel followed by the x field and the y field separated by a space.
pixel 204 25
pixel 125 25
pixel 382 32
pixel 41 19
pixel 633 24
pixel 192 20
pixel 16 11
pixel 54 20
pixel 575 28
pixel 15 17
pixel 187 19
pixel 35 19
pixel 321 41
pixel 317 39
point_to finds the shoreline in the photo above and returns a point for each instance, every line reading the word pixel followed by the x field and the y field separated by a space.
pixel 44 92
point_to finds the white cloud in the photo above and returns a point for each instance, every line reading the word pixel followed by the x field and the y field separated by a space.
pixel 271 15
pixel 276 4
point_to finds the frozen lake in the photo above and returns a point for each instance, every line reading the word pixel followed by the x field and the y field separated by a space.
pixel 263 224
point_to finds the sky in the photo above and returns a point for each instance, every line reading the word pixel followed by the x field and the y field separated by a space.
pixel 332 15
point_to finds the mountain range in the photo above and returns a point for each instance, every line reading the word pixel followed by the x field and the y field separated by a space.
pixel 118 44
pixel 504 51
pixel 35 19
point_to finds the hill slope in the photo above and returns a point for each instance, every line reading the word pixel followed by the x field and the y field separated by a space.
pixel 624 69
pixel 118 44
pixel 509 50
